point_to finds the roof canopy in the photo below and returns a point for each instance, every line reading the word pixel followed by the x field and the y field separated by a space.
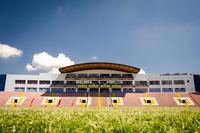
pixel 99 66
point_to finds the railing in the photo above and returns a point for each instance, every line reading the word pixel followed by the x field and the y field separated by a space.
pixel 99 76
pixel 108 85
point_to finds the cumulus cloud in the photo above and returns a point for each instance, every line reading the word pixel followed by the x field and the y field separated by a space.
pixel 7 51
pixel 45 62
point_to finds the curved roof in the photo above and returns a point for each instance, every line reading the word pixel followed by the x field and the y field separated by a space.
pixel 99 65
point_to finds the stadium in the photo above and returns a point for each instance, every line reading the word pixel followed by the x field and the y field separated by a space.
pixel 100 84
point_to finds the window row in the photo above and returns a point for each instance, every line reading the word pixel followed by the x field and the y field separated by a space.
pixel 163 82
pixel 137 83
pixel 32 82
pixel 99 76
pixel 61 90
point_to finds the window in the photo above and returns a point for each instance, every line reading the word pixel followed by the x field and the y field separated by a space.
pixel 166 82
pixel 70 76
pixel 57 90
pixel 94 82
pixel 127 83
pixel 93 75
pixel 70 90
pixel 103 82
pixel 180 90
pixel 44 82
pixel 57 82
pixel 82 90
pixel 82 76
pixel 154 90
pixel 140 90
pixel 32 82
pixel 154 82
pixel 116 75
pixel 104 75
pixel 71 83
pixel 20 81
pixel 116 90
pixel 127 75
pixel 44 89
pixel 167 89
pixel 127 90
pixel 94 90
pixel 179 82
pixel 31 90
pixel 19 89
pixel 140 83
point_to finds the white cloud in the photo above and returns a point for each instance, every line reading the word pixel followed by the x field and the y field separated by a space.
pixel 7 51
pixel 45 62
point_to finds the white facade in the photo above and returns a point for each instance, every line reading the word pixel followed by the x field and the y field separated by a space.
pixel 188 80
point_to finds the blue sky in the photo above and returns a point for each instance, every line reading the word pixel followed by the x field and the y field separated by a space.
pixel 156 35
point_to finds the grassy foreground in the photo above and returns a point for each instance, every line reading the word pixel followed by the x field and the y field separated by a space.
pixel 100 120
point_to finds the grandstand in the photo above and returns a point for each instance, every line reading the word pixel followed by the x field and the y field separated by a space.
pixel 100 84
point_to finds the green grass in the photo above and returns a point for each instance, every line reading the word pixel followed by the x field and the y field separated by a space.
pixel 100 120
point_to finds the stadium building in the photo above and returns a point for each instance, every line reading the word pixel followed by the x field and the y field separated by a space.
pixel 100 84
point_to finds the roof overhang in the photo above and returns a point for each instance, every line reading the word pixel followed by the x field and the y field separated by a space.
pixel 99 66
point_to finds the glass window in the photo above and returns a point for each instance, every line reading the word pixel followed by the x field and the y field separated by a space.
pixel 82 90
pixel 105 75
pixel 140 90
pixel 57 82
pixel 19 89
pixel 116 90
pixel 179 82
pixel 31 90
pixel 44 89
pixel 93 75
pixel 166 82
pixel 71 83
pixel 32 82
pixel 140 83
pixel 82 76
pixel 180 90
pixel 127 90
pixel 20 81
pixel 94 82
pixel 154 90
pixel 155 82
pixel 70 90
pixel 94 90
pixel 70 76
pixel 44 82
pixel 103 82
pixel 167 89
pixel 57 90
pixel 116 75
pixel 127 75
pixel 127 83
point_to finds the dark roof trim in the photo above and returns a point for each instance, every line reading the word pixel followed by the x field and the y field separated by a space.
pixel 99 65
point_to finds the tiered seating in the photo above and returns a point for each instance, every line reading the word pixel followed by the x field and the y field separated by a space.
pixel 195 97
pixel 104 99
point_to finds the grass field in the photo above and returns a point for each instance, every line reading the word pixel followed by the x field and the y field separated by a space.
pixel 100 120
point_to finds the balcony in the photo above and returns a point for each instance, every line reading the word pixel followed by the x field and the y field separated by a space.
pixel 99 76
pixel 90 85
